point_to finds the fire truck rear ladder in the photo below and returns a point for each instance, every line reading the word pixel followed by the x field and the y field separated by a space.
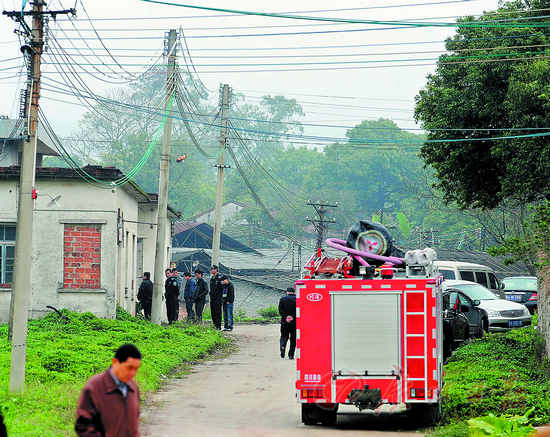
pixel 408 292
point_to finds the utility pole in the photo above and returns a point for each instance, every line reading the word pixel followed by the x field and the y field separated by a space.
pixel 21 295
pixel 164 177
pixel 321 224
pixel 225 97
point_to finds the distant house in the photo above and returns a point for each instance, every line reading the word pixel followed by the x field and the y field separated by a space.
pixel 229 211
pixel 199 236
pixel 90 243
pixel 11 143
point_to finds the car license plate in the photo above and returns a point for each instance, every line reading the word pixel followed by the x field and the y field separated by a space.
pixel 514 297
pixel 515 323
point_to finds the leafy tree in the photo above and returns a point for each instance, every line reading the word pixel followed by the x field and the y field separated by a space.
pixel 486 96
pixel 495 98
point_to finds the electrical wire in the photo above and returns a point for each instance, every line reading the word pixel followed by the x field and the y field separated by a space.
pixel 286 26
pixel 387 44
pixel 353 142
pixel 401 64
pixel 117 182
pixel 480 24
pixel 340 55
pixel 290 12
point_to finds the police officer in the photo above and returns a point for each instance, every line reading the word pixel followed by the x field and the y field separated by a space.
pixel 287 310
pixel 171 293
pixel 145 294
pixel 216 301
pixel 201 290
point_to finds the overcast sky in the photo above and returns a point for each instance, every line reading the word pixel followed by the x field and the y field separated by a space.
pixel 352 94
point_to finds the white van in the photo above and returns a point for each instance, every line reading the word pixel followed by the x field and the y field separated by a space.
pixel 470 272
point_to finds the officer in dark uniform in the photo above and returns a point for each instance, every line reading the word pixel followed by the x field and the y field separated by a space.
pixel 287 310
pixel 145 294
pixel 171 293
pixel 216 300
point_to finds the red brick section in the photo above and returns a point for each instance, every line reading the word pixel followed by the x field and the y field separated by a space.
pixel 82 256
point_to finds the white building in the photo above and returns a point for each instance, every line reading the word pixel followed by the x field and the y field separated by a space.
pixel 90 244
pixel 229 211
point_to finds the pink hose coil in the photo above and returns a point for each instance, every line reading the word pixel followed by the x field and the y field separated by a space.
pixel 336 243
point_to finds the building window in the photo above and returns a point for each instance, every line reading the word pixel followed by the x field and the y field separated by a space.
pixel 82 256
pixel 7 255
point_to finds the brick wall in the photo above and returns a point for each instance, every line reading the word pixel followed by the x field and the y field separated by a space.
pixel 82 256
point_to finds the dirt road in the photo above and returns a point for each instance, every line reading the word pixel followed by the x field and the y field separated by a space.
pixel 248 394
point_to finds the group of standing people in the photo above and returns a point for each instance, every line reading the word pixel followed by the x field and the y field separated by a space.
pixel 193 296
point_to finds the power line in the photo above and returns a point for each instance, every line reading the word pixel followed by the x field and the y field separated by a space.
pixel 338 55
pixel 286 26
pixel 451 58
pixel 469 24
pixel 290 12
pixel 466 40
pixel 402 64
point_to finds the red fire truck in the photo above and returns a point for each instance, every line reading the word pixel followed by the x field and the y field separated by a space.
pixel 368 336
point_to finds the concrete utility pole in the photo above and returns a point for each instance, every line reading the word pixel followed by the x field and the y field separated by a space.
pixel 225 97
pixel 162 212
pixel 21 295
pixel 321 223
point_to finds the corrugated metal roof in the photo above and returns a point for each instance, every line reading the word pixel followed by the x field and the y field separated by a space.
pixel 280 260
pixel 12 130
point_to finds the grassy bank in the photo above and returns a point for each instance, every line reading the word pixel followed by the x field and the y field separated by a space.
pixel 266 315
pixel 63 353
pixel 499 374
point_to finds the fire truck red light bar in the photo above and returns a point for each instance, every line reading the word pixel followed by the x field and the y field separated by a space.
pixel 417 393
pixel 312 393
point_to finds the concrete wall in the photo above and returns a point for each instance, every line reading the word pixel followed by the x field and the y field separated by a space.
pixel 126 284
pixel 79 203
pixel 148 234
pixel 75 202
pixel 8 205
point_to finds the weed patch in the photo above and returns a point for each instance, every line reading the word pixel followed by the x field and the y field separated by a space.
pixel 63 352
pixel 499 374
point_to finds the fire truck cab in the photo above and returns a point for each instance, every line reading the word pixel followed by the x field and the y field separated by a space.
pixel 368 341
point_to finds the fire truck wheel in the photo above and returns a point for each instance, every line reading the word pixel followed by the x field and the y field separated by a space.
pixel 319 413
pixel 308 414
pixel 425 414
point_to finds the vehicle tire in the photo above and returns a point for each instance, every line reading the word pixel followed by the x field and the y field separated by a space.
pixel 318 413
pixel 308 414
pixel 447 349
pixel 328 415
pixel 425 414
pixel 484 326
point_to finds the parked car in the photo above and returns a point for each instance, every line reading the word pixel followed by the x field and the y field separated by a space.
pixel 455 301
pixel 502 314
pixel 470 272
pixel 462 319
pixel 522 289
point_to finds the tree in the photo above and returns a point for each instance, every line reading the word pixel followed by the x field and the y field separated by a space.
pixel 495 99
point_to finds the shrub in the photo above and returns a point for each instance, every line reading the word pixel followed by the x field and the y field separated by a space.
pixel 501 372
pixel 269 312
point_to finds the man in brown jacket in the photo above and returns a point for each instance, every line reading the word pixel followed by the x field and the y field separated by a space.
pixel 109 402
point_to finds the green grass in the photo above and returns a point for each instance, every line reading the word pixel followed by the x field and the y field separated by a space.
pixel 63 354
pixel 266 315
pixel 499 374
